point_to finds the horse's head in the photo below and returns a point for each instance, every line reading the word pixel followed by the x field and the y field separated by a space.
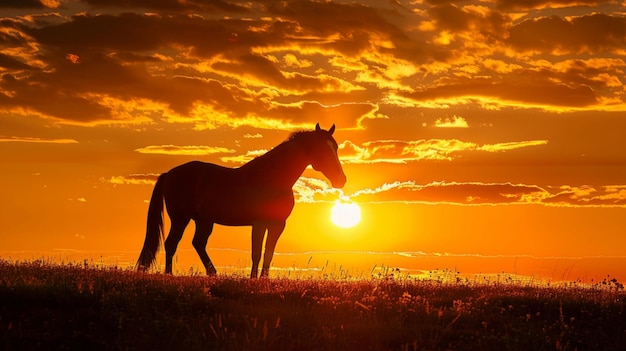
pixel 324 157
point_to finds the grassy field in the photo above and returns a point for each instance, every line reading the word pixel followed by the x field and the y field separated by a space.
pixel 44 306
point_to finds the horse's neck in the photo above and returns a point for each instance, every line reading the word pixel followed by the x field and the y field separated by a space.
pixel 281 166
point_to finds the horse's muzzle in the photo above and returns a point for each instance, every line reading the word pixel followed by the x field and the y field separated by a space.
pixel 339 181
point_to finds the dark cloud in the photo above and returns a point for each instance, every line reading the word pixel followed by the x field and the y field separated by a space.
pixel 266 71
pixel 110 52
pixel 328 18
pixel 171 5
pixel 11 36
pixel 537 93
pixel 357 26
pixel 26 4
pixel 204 37
pixel 449 16
pixel 453 18
pixel 537 4
pixel 208 37
pixel 52 92
pixel 182 55
pixel 138 33
pixel 51 101
pixel 12 63
pixel 585 34
pixel 131 32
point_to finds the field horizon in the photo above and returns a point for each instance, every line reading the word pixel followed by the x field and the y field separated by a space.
pixel 44 305
pixel 363 264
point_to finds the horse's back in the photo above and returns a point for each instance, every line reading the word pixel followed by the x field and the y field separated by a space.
pixel 182 182
pixel 229 196
pixel 198 170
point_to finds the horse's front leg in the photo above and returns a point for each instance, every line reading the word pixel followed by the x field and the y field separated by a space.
pixel 173 238
pixel 273 233
pixel 258 234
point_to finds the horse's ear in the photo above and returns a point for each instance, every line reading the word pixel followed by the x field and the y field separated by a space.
pixel 332 129
pixel 317 127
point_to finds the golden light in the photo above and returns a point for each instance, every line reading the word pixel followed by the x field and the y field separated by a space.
pixel 345 214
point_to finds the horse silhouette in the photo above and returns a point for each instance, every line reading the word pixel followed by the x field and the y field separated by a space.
pixel 257 194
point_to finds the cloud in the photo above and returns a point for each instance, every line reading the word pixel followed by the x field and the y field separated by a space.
pixel 121 64
pixel 309 190
pixel 499 147
pixel 453 122
pixel 252 136
pixel 587 195
pixel 478 193
pixel 368 28
pixel 259 71
pixel 132 179
pixel 578 35
pixel 80 199
pixel 292 61
pixel 397 151
pixel 195 150
pixel 282 64
pixel 523 93
pixel 170 5
pixel 245 158
pixel 471 193
pixel 540 4
pixel 451 18
pixel 75 59
pixel 33 4
pixel 36 140
pixel 13 63
pixel 107 87
pixel 102 76
pixel 345 115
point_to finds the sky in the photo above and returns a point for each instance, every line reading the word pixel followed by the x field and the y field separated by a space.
pixel 479 136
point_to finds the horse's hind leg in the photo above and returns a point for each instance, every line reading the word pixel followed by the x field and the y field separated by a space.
pixel 203 231
pixel 173 238
pixel 274 231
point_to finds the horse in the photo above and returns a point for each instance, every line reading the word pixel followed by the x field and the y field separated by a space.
pixel 257 194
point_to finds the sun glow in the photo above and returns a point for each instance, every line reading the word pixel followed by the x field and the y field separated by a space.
pixel 345 214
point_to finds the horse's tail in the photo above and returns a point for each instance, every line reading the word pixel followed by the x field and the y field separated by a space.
pixel 154 227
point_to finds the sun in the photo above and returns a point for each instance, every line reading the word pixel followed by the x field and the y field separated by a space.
pixel 345 214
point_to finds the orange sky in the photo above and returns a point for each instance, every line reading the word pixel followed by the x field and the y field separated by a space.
pixel 468 129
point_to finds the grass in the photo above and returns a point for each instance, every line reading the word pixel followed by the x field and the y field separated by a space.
pixel 49 306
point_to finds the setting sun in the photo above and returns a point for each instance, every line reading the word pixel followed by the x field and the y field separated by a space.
pixel 345 214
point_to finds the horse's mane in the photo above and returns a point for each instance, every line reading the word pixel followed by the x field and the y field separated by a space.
pixel 301 134
pixel 297 134
pixel 293 137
